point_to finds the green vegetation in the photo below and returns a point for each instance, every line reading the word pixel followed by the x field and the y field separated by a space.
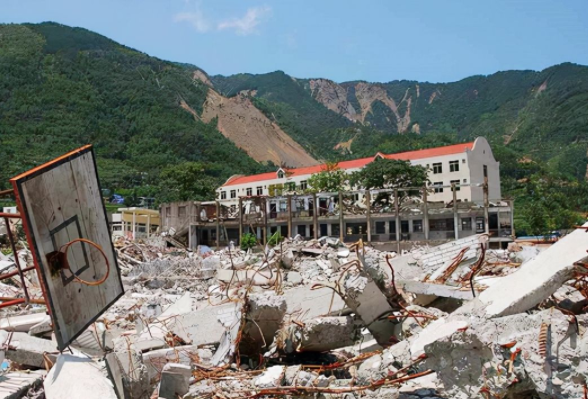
pixel 62 87
pixel 389 173
pixel 330 180
pixel 248 241
pixel 275 239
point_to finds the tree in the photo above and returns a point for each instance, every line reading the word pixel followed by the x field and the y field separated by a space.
pixel 389 173
pixel 331 179
pixel 186 181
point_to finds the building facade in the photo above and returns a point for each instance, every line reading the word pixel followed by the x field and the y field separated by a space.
pixel 465 165
pixel 463 199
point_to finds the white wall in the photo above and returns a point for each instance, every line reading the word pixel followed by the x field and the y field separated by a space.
pixel 482 155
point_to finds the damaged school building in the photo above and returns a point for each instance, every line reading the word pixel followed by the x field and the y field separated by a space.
pixel 463 199
pixel 88 314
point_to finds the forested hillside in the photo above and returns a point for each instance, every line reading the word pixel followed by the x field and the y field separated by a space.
pixel 63 87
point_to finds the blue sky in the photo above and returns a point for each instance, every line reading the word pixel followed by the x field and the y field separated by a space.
pixel 373 40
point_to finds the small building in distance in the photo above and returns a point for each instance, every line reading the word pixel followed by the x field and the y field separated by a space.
pixel 134 223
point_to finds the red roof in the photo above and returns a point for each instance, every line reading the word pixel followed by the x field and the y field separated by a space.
pixel 356 163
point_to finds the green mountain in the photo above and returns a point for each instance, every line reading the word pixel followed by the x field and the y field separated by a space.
pixel 169 130
pixel 62 87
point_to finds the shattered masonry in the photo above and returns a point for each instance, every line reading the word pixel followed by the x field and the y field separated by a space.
pixel 320 318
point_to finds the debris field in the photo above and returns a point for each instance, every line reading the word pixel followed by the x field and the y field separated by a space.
pixel 315 319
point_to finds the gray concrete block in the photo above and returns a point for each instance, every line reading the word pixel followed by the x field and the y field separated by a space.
pixel 175 381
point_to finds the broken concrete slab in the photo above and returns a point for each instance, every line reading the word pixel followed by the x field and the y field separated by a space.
pixel 232 323
pixel 264 317
pixel 181 306
pixel 262 277
pixel 154 361
pixel 129 374
pixel 321 334
pixel 95 341
pixel 74 377
pixel 436 290
pixel 202 326
pixel 271 377
pixel 26 350
pixel 22 323
pixel 15 384
pixel 42 328
pixel 312 251
pixel 364 297
pixel 536 279
pixel 507 356
pixel 175 381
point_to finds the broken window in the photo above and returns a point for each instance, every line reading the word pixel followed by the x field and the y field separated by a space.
pixel 303 185
pixel 485 170
pixel 437 168
pixel 404 226
pixel 438 186
pixel 181 211
pixel 456 182
pixel 249 192
pixel 417 226
pixel 335 230
pixel 302 230
pixel 233 194
pixel 259 190
pixel 454 166
pixel 380 227
pixel 168 211
pixel 480 228
pixel 223 195
pixel 441 224
pixel 466 224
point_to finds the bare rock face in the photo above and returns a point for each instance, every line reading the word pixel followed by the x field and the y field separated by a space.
pixel 246 126
pixel 201 76
pixel 334 97
pixel 368 93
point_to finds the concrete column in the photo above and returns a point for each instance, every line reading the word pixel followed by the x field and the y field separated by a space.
pixel 218 208
pixel 289 207
pixel 341 218
pixel 265 226
pixel 455 217
pixel 512 229
pixel 486 206
pixel 397 211
pixel 134 226
pixel 426 212
pixel 368 198
pixel 240 219
pixel 315 215
pixel 148 225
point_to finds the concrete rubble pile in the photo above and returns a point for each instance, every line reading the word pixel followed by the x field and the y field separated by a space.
pixel 319 318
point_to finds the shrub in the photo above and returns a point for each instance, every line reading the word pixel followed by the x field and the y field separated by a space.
pixel 248 241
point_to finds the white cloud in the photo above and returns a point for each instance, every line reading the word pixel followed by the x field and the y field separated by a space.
pixel 196 19
pixel 245 25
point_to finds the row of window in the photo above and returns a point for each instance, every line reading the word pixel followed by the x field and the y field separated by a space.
pixel 453 166
pixel 438 186
pixel 289 186
pixel 434 225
